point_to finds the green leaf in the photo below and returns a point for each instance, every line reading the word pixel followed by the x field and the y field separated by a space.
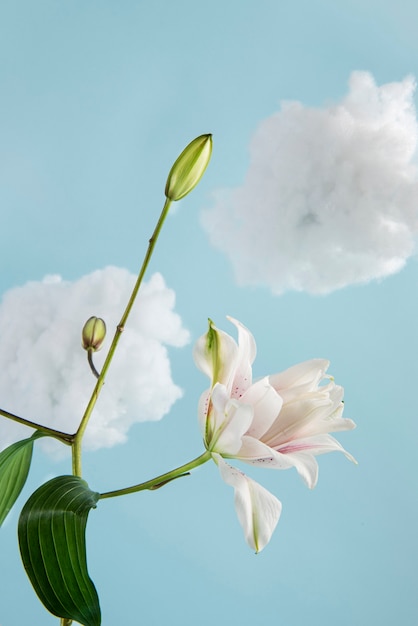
pixel 53 547
pixel 14 469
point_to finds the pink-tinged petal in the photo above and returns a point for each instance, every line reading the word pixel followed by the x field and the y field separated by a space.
pixel 255 452
pixel 297 416
pixel 257 509
pixel 311 414
pixel 242 375
pixel 266 403
pixel 321 444
pixel 228 421
pixel 215 354
pixel 301 453
pixel 202 411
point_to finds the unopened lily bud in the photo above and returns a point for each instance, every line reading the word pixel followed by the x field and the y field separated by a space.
pixel 189 168
pixel 94 332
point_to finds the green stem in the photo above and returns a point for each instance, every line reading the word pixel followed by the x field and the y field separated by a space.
pixel 90 360
pixel 58 434
pixel 65 622
pixel 76 449
pixel 159 480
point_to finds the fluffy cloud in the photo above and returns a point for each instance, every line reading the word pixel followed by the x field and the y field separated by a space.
pixel 331 194
pixel 45 376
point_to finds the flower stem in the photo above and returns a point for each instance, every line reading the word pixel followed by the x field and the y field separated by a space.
pixel 92 366
pixel 159 480
pixel 76 449
pixel 58 434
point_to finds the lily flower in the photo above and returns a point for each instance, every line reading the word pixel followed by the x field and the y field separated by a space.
pixel 278 422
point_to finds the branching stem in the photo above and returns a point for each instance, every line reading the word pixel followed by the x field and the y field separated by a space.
pixel 76 448
pixel 57 434
pixel 159 481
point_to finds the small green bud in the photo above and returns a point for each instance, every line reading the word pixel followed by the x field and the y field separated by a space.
pixel 189 168
pixel 94 332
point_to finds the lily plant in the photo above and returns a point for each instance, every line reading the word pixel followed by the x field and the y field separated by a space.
pixel 277 422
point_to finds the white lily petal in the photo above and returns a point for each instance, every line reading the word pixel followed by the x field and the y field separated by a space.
pixel 267 404
pixel 241 377
pixel 321 444
pixel 257 509
pixel 216 418
pixel 301 453
pixel 295 416
pixel 306 466
pixel 255 452
pixel 227 351
pixel 308 372
pixel 311 414
pixel 202 411
pixel 228 421
pixel 300 378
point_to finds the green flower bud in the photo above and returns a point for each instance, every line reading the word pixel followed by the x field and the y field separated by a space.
pixel 189 168
pixel 94 332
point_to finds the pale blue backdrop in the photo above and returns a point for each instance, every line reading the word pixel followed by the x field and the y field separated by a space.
pixel 97 98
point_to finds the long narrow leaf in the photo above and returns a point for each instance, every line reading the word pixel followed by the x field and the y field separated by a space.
pixel 14 469
pixel 52 543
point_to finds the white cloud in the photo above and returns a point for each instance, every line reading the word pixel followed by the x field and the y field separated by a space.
pixel 331 194
pixel 44 372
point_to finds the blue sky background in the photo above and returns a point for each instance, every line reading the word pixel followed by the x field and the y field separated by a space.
pixel 98 99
